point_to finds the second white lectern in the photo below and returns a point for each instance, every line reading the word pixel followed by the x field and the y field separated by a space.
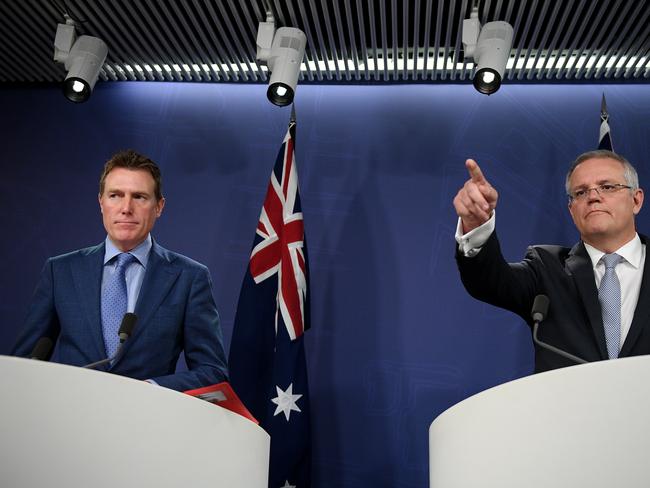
pixel 582 426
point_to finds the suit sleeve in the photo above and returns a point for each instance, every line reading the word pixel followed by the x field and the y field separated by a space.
pixel 489 278
pixel 202 340
pixel 41 320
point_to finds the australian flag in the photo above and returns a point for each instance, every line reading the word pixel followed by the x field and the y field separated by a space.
pixel 267 351
pixel 604 138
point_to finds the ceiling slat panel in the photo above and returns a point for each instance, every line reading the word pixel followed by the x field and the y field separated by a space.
pixel 594 37
pixel 560 55
pixel 573 55
pixel 464 13
pixel 341 33
pixel 533 40
pixel 380 41
pixel 450 24
pixel 323 47
pixel 334 55
pixel 415 42
pixel 641 63
pixel 619 46
pixel 121 47
pixel 311 44
pixel 427 37
pixel 384 40
pixel 25 58
pixel 596 52
pixel 373 39
pixel 405 39
pixel 347 58
pixel 236 46
pixel 543 49
pixel 634 51
pixel 295 23
pixel 437 48
pixel 364 50
pixel 205 32
pixel 155 55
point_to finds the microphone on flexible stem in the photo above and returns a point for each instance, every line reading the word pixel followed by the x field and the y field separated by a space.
pixel 538 313
pixel 42 349
pixel 126 329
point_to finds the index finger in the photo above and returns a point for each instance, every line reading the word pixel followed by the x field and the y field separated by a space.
pixel 475 172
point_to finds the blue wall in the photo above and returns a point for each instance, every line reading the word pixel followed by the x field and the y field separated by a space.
pixel 395 339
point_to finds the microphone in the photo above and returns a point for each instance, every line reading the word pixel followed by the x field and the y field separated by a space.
pixel 126 329
pixel 42 349
pixel 538 314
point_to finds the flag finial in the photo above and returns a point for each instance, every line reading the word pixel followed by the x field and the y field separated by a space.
pixel 604 136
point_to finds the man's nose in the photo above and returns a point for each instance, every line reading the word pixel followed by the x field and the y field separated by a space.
pixel 593 195
pixel 127 205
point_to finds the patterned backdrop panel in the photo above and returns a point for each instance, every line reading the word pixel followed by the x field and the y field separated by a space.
pixel 395 340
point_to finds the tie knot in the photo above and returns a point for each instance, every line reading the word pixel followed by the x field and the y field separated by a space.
pixel 124 259
pixel 611 260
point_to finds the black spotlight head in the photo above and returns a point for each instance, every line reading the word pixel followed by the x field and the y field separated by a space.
pixel 76 90
pixel 487 81
pixel 280 94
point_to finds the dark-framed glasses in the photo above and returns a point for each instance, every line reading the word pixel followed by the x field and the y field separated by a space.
pixel 604 189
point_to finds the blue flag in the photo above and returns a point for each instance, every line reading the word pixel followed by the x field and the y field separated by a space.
pixel 604 138
pixel 267 352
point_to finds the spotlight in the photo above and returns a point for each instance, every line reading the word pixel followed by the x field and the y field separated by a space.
pixel 82 57
pixel 489 47
pixel 282 51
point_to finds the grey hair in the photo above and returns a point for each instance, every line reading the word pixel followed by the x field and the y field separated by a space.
pixel 629 173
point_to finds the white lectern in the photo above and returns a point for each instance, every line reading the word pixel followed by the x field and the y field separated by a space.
pixel 63 426
pixel 582 426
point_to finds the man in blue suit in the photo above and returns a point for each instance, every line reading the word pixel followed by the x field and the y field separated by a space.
pixel 170 294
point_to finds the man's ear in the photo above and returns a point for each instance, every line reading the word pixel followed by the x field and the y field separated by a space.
pixel 159 206
pixel 638 200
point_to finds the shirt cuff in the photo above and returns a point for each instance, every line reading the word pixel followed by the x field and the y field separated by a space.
pixel 471 243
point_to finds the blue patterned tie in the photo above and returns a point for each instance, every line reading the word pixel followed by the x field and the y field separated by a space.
pixel 609 295
pixel 114 303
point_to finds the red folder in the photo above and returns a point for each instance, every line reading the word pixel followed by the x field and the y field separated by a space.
pixel 223 395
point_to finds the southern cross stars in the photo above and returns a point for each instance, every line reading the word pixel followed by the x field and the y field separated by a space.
pixel 285 401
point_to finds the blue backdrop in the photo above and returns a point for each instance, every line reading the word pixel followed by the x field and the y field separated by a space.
pixel 395 339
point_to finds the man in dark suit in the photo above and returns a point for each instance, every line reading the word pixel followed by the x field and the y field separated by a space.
pixel 599 290
pixel 82 296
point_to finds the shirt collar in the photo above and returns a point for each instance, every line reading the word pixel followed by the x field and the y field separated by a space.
pixel 141 251
pixel 631 252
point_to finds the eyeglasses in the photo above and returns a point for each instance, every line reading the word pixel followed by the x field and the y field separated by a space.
pixel 604 189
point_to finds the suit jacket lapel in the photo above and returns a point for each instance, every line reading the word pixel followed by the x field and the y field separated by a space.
pixel 642 312
pixel 581 268
pixel 159 278
pixel 87 282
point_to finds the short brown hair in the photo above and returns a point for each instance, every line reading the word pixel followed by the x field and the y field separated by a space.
pixel 132 160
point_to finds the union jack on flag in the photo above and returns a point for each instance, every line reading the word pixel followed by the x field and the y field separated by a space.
pixel 267 354
pixel 280 250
